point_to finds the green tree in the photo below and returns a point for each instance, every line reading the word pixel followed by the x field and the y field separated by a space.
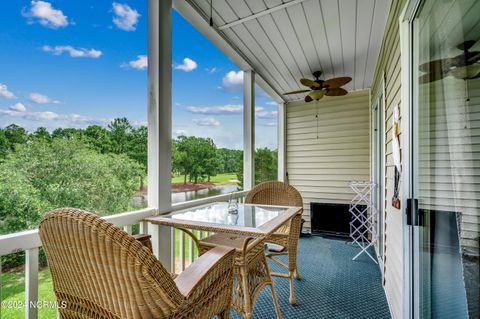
pixel 98 138
pixel 41 176
pixel 265 165
pixel 120 131
pixel 41 133
pixel 4 145
pixel 231 159
pixel 15 135
pixel 196 158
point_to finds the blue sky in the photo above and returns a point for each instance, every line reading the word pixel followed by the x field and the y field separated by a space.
pixel 70 63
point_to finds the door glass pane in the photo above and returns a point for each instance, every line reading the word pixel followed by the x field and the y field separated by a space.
pixel 447 157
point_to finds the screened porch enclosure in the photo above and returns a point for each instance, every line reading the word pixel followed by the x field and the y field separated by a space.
pixel 323 145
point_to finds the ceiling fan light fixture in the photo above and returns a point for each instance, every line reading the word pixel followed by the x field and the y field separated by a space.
pixel 466 72
pixel 317 94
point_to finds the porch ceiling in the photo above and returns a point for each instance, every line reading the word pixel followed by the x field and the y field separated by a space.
pixel 284 41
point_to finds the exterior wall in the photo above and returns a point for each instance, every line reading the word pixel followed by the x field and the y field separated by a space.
pixel 320 168
pixel 388 69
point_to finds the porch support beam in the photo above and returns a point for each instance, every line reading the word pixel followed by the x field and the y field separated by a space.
pixel 281 134
pixel 160 123
pixel 260 14
pixel 248 129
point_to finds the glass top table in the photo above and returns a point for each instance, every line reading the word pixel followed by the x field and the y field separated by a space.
pixel 249 220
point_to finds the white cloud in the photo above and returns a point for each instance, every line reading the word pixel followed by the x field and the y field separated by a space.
pixel 208 121
pixel 37 116
pixel 4 92
pixel 267 115
pixel 41 99
pixel 42 12
pixel 141 63
pixel 180 132
pixel 188 65
pixel 125 17
pixel 230 109
pixel 272 103
pixel 46 118
pixel 269 124
pixel 211 70
pixel 217 110
pixel 74 53
pixel 19 107
pixel 233 81
pixel 137 123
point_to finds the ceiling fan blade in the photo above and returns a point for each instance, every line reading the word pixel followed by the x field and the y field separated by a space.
pixel 336 92
pixel 308 99
pixel 474 58
pixel 466 45
pixel 296 92
pixel 309 83
pixel 337 82
pixel 431 77
pixel 433 65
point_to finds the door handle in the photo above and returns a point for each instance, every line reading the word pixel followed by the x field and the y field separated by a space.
pixel 413 218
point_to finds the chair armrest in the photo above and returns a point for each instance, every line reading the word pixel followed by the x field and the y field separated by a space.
pixel 215 263
pixel 144 239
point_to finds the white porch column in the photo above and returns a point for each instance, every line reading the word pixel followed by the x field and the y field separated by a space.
pixel 160 122
pixel 281 135
pixel 248 130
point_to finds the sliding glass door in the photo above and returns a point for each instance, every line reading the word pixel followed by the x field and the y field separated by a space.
pixel 446 159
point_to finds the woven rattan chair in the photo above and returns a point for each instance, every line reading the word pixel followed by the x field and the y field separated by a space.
pixel 279 193
pixel 100 271
pixel 252 273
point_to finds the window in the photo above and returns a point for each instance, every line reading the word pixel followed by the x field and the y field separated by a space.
pixel 207 100
pixel 266 140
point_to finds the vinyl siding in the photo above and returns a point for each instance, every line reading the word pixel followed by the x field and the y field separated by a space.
pixel 389 65
pixel 320 168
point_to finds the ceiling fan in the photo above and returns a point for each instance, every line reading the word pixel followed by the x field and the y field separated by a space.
pixel 464 66
pixel 320 88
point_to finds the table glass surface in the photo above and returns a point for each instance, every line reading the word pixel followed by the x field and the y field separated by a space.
pixel 247 215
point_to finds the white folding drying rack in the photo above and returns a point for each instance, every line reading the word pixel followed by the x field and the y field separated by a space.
pixel 362 229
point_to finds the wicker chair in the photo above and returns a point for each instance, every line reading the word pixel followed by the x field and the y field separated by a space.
pixel 279 193
pixel 100 271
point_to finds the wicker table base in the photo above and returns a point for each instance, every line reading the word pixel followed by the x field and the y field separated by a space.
pixel 251 271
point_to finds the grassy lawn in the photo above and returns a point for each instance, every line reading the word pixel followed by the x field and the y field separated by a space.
pixel 13 286
pixel 13 289
pixel 220 178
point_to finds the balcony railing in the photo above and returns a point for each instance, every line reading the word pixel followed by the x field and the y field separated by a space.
pixel 29 241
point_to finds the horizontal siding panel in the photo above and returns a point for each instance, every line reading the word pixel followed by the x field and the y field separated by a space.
pixel 309 177
pixel 321 168
pixel 330 147
pixel 328 158
pixel 327 153
pixel 330 165
pixel 293 136
pixel 326 123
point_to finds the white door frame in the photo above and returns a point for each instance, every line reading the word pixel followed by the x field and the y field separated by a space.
pixel 410 285
pixel 377 141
